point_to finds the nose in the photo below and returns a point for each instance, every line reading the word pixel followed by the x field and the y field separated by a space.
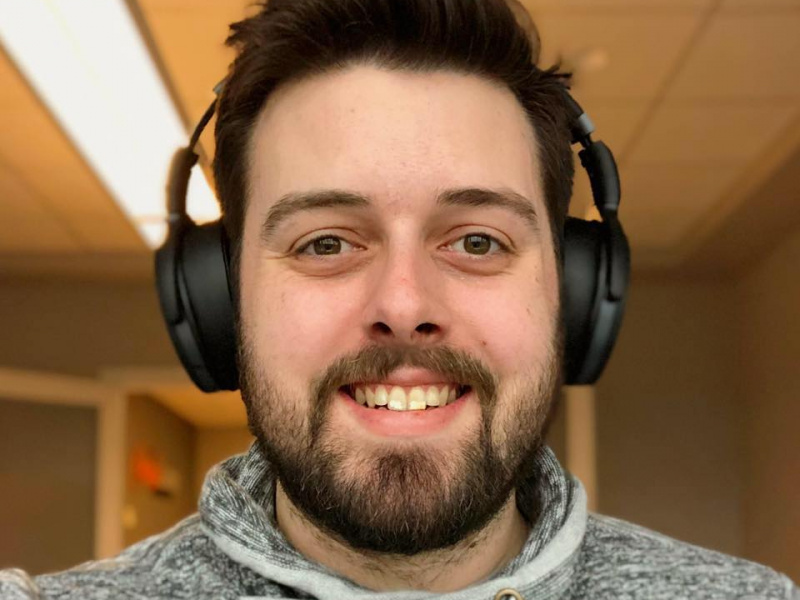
pixel 406 300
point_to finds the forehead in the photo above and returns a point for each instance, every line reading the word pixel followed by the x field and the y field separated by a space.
pixel 395 136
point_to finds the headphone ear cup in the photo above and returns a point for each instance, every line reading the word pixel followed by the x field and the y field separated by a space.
pixel 591 317
pixel 583 267
pixel 194 288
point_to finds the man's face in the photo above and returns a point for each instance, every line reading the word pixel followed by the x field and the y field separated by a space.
pixel 410 286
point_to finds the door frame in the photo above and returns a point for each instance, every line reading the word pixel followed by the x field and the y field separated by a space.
pixel 110 462
pixel 581 438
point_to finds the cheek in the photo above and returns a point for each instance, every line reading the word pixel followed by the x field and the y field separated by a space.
pixel 299 328
pixel 512 336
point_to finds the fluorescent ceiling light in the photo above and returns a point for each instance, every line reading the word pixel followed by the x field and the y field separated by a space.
pixel 88 63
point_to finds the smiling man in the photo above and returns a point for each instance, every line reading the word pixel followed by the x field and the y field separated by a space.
pixel 394 177
pixel 389 399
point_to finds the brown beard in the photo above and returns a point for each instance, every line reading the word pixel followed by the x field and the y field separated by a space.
pixel 408 500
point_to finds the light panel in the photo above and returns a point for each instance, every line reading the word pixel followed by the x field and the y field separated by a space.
pixel 90 66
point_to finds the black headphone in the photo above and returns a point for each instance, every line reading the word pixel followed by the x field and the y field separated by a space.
pixel 192 272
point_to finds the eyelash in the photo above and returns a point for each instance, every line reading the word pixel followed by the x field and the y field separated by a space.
pixel 504 249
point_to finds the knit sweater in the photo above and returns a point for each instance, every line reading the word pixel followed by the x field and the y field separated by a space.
pixel 232 548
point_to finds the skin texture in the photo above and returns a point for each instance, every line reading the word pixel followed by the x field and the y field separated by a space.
pixel 401 288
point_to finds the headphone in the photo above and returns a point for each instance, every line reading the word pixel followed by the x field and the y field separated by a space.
pixel 194 286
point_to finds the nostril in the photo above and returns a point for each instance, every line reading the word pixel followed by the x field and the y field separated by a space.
pixel 426 328
pixel 382 328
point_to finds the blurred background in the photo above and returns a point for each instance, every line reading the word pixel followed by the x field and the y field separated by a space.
pixel 693 428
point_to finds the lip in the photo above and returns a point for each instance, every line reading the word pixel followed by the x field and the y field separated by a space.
pixel 409 377
pixel 412 423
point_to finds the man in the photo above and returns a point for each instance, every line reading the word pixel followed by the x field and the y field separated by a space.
pixel 394 177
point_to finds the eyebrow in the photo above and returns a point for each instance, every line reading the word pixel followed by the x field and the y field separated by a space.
pixel 297 202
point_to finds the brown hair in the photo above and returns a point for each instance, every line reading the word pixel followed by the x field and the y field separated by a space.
pixel 291 39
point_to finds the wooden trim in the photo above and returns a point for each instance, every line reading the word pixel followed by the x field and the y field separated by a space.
pixel 111 468
pixel 581 439
pixel 111 414
pixel 49 388
pixel 139 379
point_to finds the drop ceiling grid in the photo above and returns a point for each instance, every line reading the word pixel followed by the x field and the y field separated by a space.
pixel 190 36
pixel 644 49
pixel 72 204
pixel 63 183
pixel 706 134
pixel 715 116
pixel 752 56
pixel 26 225
pixel 21 205
pixel 648 42
pixel 663 202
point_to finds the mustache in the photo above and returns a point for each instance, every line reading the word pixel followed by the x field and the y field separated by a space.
pixel 374 363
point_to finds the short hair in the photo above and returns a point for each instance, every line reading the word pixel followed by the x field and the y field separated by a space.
pixel 293 39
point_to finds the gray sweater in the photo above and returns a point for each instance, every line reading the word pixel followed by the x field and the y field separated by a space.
pixel 232 548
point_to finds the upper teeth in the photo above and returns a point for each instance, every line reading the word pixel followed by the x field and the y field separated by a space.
pixel 398 398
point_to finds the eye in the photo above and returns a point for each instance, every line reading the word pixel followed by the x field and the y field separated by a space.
pixel 480 244
pixel 324 245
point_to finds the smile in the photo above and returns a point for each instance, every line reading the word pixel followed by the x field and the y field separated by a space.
pixel 405 398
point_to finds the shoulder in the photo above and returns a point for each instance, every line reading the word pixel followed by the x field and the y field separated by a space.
pixel 638 562
pixel 182 562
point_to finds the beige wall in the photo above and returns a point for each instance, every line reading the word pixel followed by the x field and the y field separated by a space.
pixel 47 485
pixel 698 411
pixel 669 420
pixel 770 357
pixel 81 327
pixel 171 439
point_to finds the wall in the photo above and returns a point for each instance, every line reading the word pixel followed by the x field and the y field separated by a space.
pixel 770 356
pixel 47 474
pixel 171 440
pixel 669 419
pixel 81 327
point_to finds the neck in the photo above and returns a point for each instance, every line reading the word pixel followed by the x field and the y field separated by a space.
pixel 473 560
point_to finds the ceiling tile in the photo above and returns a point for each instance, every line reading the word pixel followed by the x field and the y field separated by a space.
pixel 15 92
pixel 38 152
pixel 641 49
pixel 720 133
pixel 615 122
pixel 663 203
pixel 60 186
pixel 25 225
pixel 190 37
pixel 744 56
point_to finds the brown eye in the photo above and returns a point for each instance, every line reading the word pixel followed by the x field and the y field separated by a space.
pixel 477 244
pixel 324 245
pixel 480 245
pixel 327 245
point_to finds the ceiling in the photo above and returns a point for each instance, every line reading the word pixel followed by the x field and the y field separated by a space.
pixel 699 99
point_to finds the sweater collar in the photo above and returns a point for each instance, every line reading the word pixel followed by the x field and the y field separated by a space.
pixel 237 512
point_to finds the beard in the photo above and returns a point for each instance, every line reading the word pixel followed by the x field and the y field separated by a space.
pixel 405 497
